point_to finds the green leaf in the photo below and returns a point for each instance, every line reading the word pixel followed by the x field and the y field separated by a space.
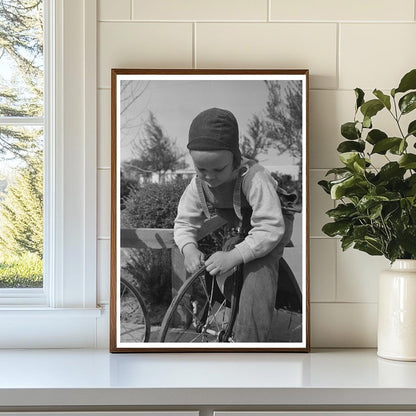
pixel 390 170
pixel 393 250
pixel 361 231
pixel 336 228
pixel 348 158
pixel 367 122
pixel 375 135
pixel 342 211
pixel 385 99
pixel 383 145
pixel 402 147
pixel 346 242
pixel 411 130
pixel 408 82
pixel 408 102
pixel 325 186
pixel 359 95
pixel 338 171
pixel 375 212
pixel 359 165
pixel 408 161
pixel 407 240
pixel 349 131
pixel 369 247
pixel 371 108
pixel 369 201
pixel 347 187
pixel 411 183
pixel 349 146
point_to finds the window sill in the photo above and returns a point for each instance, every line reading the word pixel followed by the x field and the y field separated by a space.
pixel 36 312
pixel 331 379
pixel 37 327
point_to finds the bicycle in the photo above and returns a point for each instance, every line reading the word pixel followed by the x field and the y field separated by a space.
pixel 205 309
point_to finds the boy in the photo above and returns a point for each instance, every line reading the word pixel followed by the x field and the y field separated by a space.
pixel 241 191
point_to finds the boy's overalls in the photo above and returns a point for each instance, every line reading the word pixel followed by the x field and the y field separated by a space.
pixel 260 276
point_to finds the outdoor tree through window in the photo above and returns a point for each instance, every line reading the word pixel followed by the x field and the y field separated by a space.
pixel 21 143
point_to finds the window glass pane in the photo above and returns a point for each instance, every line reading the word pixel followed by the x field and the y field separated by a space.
pixel 21 143
pixel 21 213
pixel 21 58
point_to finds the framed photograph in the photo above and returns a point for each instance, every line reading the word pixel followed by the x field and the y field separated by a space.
pixel 209 211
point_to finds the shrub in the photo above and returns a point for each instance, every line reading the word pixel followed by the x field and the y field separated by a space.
pixel 152 205
pixel 150 271
pixel 24 271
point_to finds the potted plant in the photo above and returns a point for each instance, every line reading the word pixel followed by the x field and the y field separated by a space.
pixel 376 206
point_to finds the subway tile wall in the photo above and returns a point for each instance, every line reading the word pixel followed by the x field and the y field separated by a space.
pixel 345 44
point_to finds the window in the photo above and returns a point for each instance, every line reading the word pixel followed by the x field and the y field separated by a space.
pixel 22 132
pixel 63 313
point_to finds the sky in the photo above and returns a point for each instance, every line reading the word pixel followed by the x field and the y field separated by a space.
pixel 176 103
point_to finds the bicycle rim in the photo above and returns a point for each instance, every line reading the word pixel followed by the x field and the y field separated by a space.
pixel 134 319
pixel 197 314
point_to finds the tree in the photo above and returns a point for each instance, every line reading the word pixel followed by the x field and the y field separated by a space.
pixel 21 96
pixel 21 211
pixel 257 141
pixel 21 86
pixel 283 121
pixel 156 151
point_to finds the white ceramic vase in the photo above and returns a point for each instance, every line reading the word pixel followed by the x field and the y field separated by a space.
pixel 397 312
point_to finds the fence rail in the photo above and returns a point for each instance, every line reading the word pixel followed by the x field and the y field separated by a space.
pixel 162 238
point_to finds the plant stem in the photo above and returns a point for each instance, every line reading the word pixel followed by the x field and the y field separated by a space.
pixel 397 118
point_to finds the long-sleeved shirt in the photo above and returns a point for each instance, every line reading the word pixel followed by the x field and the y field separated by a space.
pixel 260 190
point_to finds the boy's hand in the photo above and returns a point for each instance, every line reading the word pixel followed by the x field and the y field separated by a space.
pixel 223 261
pixel 193 258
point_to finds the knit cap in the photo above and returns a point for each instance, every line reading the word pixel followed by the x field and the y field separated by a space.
pixel 215 129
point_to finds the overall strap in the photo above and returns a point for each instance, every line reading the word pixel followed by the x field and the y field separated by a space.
pixel 202 197
pixel 237 195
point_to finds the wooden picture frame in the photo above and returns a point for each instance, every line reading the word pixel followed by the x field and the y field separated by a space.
pixel 155 304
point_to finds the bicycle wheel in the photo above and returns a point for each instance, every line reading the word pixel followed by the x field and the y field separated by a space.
pixel 134 319
pixel 198 313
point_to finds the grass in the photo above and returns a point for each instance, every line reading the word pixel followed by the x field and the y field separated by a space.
pixel 24 271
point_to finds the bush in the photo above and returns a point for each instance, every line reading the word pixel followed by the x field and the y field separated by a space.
pixel 150 271
pixel 24 271
pixel 152 205
pixel 21 212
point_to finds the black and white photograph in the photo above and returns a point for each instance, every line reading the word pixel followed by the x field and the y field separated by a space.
pixel 209 214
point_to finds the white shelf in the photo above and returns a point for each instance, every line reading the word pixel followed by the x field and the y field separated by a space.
pixel 58 378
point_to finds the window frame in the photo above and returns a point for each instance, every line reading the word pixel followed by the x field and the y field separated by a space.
pixel 64 313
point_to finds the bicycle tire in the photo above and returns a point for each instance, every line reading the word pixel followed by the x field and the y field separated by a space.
pixel 183 322
pixel 134 318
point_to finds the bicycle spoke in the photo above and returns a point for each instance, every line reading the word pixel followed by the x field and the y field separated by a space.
pixel 214 316
pixel 134 324
pixel 204 285
pixel 196 315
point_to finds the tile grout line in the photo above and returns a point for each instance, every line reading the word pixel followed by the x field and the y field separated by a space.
pixel 254 21
pixel 338 63
pixel 336 271
pixel 194 61
pixel 350 302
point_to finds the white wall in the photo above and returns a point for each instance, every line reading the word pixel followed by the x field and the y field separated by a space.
pixel 345 44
